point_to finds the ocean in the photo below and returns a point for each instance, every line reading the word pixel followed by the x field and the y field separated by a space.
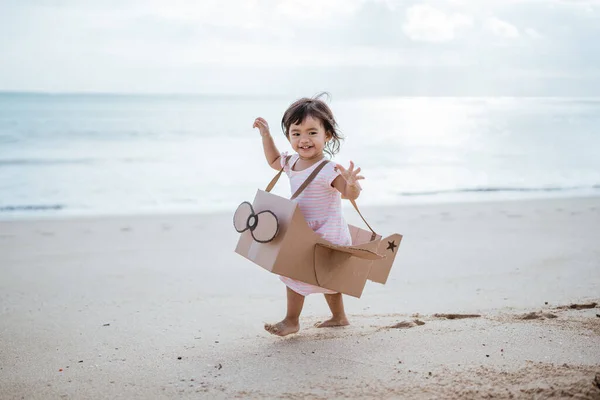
pixel 99 154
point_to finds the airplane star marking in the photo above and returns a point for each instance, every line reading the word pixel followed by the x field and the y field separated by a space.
pixel 392 245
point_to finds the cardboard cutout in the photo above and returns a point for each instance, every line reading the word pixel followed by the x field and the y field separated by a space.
pixel 275 236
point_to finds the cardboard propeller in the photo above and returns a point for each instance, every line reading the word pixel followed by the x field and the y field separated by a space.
pixel 263 226
pixel 275 236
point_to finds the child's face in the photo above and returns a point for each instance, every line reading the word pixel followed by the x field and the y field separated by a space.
pixel 308 138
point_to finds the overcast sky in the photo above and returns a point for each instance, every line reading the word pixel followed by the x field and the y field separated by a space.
pixel 348 47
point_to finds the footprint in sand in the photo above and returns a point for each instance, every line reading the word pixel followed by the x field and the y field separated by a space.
pixel 406 324
pixel 537 315
pixel 456 316
pixel 583 306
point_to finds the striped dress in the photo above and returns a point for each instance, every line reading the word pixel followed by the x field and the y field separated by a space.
pixel 321 206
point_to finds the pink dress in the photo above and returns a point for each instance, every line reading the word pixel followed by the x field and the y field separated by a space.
pixel 321 206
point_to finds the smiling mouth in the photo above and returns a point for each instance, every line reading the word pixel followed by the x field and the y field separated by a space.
pixel 306 147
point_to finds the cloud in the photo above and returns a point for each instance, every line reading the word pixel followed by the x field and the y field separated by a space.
pixel 502 28
pixel 357 46
pixel 533 34
pixel 429 24
pixel 316 11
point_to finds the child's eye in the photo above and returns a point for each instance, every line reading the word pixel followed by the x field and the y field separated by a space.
pixel 313 133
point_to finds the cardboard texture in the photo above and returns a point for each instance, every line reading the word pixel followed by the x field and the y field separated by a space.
pixel 275 236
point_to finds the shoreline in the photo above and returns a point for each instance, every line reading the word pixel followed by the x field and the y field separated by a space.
pixel 40 216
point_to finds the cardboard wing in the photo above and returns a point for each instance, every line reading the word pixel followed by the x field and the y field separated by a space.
pixel 275 236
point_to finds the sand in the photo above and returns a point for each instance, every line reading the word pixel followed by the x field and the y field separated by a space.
pixel 478 305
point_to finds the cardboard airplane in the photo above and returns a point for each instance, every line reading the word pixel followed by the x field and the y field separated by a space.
pixel 275 236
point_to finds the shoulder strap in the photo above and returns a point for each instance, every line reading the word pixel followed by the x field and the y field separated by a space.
pixel 308 180
pixel 273 182
pixel 373 234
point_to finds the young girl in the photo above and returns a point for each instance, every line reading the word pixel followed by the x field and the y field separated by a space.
pixel 312 131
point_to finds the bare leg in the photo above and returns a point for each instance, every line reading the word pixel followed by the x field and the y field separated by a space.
pixel 291 323
pixel 338 315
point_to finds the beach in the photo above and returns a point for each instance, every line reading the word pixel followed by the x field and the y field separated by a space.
pixel 485 300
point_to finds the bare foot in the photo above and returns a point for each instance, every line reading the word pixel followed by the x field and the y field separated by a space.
pixel 333 321
pixel 283 328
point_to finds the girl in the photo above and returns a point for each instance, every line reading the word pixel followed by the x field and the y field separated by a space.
pixel 312 131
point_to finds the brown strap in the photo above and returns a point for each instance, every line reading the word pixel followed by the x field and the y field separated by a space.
pixel 308 180
pixel 273 182
pixel 364 220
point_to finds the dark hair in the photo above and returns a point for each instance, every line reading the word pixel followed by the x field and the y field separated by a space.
pixel 318 109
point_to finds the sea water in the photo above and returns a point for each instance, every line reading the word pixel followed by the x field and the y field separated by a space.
pixel 99 154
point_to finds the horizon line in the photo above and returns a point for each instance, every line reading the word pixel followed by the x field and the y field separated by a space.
pixel 278 95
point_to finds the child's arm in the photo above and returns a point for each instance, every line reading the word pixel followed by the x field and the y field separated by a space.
pixel 347 182
pixel 271 153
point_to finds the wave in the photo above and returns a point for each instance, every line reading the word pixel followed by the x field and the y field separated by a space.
pixel 32 207
pixel 67 161
pixel 501 189
pixel 47 161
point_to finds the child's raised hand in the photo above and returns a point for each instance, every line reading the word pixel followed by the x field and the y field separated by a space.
pixel 262 126
pixel 350 175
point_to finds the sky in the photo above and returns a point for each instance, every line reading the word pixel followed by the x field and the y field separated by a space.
pixel 269 47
